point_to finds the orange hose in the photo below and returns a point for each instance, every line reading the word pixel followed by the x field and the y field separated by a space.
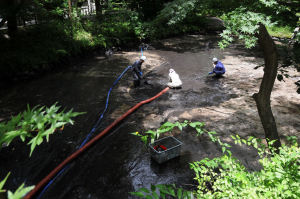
pixel 87 145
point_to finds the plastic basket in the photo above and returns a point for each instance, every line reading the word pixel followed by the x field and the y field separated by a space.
pixel 172 145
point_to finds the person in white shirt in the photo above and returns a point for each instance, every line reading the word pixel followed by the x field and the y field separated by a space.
pixel 174 80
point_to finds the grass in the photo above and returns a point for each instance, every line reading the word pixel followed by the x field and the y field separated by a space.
pixel 281 31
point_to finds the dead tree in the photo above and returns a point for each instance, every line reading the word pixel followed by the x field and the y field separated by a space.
pixel 262 98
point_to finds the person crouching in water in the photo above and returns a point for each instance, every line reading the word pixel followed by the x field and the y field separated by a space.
pixel 137 71
pixel 174 80
pixel 219 68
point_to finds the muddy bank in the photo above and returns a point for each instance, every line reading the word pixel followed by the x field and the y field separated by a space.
pixel 119 163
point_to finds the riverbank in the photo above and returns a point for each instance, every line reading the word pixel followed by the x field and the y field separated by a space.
pixel 225 105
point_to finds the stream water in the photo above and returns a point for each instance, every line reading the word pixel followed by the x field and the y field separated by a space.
pixel 119 163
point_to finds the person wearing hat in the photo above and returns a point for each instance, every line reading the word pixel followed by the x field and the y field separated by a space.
pixel 137 71
pixel 219 68
pixel 174 80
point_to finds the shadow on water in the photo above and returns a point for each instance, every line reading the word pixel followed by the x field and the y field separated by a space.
pixel 119 163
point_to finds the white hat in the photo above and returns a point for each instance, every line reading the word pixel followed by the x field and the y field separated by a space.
pixel 143 58
pixel 215 59
pixel 171 70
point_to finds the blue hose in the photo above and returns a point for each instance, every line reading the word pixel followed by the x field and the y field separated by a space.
pixel 106 105
pixel 90 133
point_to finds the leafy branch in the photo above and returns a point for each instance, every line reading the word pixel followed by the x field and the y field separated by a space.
pixel 19 193
pixel 36 123
pixel 152 135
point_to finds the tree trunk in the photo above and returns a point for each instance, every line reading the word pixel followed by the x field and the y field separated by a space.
pixel 75 3
pixel 98 8
pixel 70 9
pixel 262 98
pixel 13 8
pixel 12 23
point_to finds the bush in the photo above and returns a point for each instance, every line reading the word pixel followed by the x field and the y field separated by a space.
pixel 117 28
pixel 280 31
pixel 38 48
pixel 226 177
pixel 34 48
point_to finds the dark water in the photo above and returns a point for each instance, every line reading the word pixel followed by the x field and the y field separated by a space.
pixel 119 163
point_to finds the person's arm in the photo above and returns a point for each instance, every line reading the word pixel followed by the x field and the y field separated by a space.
pixel 214 68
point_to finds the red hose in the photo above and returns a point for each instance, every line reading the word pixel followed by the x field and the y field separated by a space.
pixel 92 141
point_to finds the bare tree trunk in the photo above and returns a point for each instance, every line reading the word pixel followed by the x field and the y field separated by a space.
pixel 98 8
pixel 70 9
pixel 12 23
pixel 262 98
pixel 12 17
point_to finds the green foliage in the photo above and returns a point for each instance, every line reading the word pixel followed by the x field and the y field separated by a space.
pixel 164 191
pixel 36 123
pixel 243 24
pixel 152 135
pixel 292 140
pixel 19 193
pixel 177 17
pixel 243 21
pixel 176 11
pixel 226 177
pixel 3 182
pixel 35 48
pixel 280 31
pixel 117 28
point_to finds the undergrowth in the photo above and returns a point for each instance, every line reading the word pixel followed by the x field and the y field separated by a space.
pixel 227 177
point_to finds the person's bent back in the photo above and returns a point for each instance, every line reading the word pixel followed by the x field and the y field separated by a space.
pixel 219 68
pixel 174 80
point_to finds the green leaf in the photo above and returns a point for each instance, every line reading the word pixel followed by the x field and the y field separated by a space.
pixel 3 182
pixel 171 191
pixel 148 197
pixel 153 188
pixel 223 149
pixel 20 192
pixel 39 140
pixel 33 143
pixel 144 139
pixel 144 190
pixel 139 194
pixel 179 193
pixel 155 195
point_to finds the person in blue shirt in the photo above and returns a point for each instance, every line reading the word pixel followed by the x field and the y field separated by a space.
pixel 219 68
pixel 137 71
